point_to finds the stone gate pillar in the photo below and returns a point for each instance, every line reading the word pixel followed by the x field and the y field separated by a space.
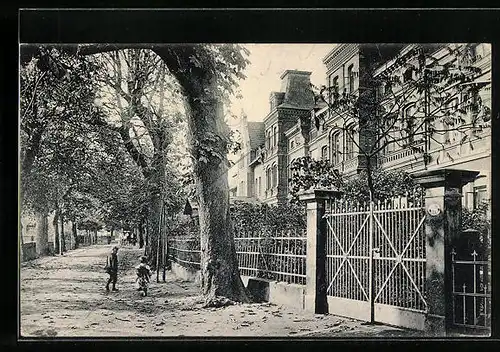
pixel 443 210
pixel 316 281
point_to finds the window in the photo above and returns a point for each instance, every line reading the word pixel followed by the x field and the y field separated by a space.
pixel 409 120
pixel 408 74
pixel 334 87
pixel 450 124
pixel 324 153
pixel 275 136
pixel 275 176
pixel 259 188
pixel 480 195
pixel 292 144
pixel 349 146
pixel 350 77
pixel 268 178
pixel 335 147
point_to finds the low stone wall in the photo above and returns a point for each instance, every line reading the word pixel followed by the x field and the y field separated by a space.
pixel 263 290
pixel 185 273
pixel 28 251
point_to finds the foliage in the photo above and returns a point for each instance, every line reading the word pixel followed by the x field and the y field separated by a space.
pixel 267 219
pixel 477 218
pixel 387 184
pixel 309 173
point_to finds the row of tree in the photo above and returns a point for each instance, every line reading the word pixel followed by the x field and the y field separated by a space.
pixel 97 131
pixel 91 163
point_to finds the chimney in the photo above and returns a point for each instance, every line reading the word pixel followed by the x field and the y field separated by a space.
pixel 275 99
pixel 297 88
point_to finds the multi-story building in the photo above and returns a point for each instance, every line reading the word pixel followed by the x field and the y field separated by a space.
pixel 261 169
pixel 288 131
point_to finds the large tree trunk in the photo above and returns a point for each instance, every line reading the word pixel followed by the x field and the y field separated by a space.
pixel 141 235
pixel 219 265
pixel 207 135
pixel 75 233
pixel 154 229
pixel 63 237
pixel 55 223
pixel 42 235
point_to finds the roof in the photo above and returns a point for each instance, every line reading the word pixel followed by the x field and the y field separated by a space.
pixel 256 134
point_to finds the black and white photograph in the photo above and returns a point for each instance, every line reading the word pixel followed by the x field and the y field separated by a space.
pixel 313 190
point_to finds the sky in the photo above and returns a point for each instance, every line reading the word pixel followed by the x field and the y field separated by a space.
pixel 267 63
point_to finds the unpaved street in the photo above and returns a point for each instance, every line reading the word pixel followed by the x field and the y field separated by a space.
pixel 65 296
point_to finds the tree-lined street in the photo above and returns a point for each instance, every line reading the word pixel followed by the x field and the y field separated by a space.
pixel 64 296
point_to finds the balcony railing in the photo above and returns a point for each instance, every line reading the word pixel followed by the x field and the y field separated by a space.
pixel 347 165
pixel 398 155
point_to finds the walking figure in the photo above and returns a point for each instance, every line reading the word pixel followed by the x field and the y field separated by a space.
pixel 112 268
pixel 143 276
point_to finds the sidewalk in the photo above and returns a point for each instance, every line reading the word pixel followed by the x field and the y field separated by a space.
pixel 65 296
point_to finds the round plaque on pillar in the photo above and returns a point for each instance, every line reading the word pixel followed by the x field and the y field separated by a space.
pixel 434 210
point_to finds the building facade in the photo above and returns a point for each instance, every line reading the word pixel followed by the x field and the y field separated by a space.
pixel 288 131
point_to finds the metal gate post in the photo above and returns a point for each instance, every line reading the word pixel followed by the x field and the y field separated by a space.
pixel 316 282
pixel 443 209
pixel 370 267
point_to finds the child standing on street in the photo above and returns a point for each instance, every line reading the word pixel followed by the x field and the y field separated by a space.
pixel 112 268
pixel 143 276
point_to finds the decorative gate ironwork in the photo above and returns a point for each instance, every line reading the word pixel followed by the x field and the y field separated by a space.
pixel 471 277
pixel 376 261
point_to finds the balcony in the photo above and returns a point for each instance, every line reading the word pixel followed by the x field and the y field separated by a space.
pixel 399 156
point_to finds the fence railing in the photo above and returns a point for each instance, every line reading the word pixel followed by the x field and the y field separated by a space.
pixel 185 251
pixel 279 256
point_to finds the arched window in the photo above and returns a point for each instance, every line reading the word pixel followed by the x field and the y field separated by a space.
pixel 333 87
pixel 350 77
pixel 275 135
pixel 275 175
pixel 268 178
pixel 335 148
pixel 349 145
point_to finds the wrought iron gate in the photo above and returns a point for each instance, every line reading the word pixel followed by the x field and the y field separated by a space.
pixel 376 261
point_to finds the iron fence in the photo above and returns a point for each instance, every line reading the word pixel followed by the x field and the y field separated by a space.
pixel 471 278
pixel 279 256
pixel 185 251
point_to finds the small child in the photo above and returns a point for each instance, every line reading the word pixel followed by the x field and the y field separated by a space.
pixel 143 276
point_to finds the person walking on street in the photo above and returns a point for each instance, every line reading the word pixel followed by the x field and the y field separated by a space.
pixel 143 276
pixel 112 269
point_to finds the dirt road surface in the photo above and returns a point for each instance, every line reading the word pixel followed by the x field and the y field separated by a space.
pixel 65 296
